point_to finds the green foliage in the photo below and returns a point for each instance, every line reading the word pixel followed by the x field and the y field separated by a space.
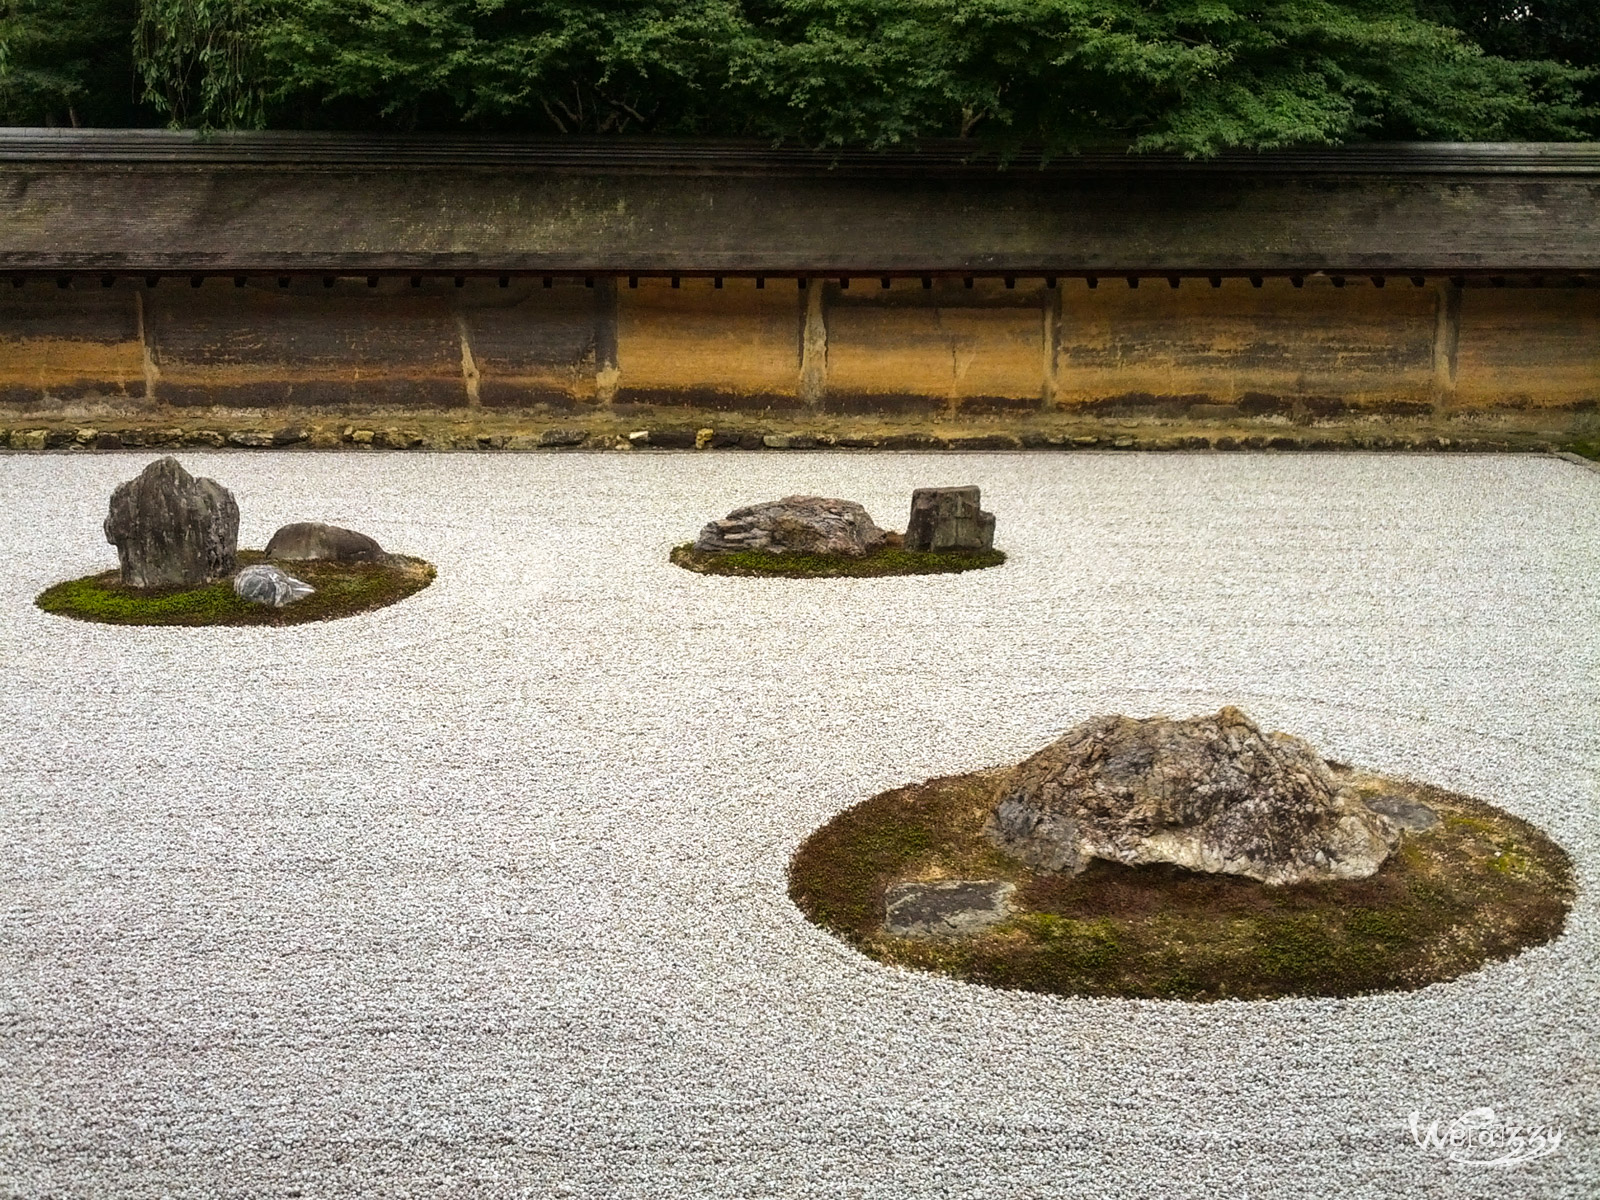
pixel 1194 76
pixel 888 561
pixel 67 62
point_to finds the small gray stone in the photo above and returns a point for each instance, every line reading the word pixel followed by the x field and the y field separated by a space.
pixel 946 908
pixel 171 529
pixel 1410 815
pixel 264 584
pixel 309 541
pixel 948 519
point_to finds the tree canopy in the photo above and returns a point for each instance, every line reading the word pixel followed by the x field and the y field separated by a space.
pixel 1194 76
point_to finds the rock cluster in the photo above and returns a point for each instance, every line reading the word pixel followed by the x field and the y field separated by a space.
pixel 795 525
pixel 948 519
pixel 171 529
pixel 308 541
pixel 266 584
pixel 1210 793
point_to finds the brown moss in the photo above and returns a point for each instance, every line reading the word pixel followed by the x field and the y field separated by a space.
pixel 1482 886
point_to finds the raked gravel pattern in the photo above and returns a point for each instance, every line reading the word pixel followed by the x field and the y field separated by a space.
pixel 484 894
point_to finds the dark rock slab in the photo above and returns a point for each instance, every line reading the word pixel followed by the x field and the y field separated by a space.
pixel 946 908
pixel 171 529
pixel 948 519
pixel 1410 815
pixel 308 541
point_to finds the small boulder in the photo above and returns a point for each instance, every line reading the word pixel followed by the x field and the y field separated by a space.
pixel 948 519
pixel 171 529
pixel 795 525
pixel 308 541
pixel 1210 794
pixel 265 584
pixel 946 908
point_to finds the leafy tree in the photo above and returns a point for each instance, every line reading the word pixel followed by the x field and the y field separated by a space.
pixel 1194 76
pixel 68 62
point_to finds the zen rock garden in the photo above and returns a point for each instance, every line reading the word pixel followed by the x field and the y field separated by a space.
pixel 1194 859
pixel 813 536
pixel 177 545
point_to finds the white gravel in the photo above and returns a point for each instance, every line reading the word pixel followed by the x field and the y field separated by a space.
pixel 484 894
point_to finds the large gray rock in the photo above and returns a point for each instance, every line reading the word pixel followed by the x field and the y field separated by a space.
pixel 171 529
pixel 948 519
pixel 308 541
pixel 1210 794
pixel 946 908
pixel 266 584
pixel 795 524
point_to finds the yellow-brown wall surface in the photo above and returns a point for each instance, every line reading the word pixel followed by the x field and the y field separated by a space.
pixel 939 347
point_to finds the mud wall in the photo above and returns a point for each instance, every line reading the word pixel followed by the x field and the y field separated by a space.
pixel 1311 348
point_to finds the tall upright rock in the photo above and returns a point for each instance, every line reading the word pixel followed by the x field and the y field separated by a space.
pixel 171 529
pixel 949 518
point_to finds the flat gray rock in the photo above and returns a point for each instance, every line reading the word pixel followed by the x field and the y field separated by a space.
pixel 171 529
pixel 309 541
pixel 946 908
pixel 265 584
pixel 1410 815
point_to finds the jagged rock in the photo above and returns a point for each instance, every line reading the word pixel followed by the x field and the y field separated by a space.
pixel 795 524
pixel 308 541
pixel 171 529
pixel 265 584
pixel 948 519
pixel 947 908
pixel 1209 793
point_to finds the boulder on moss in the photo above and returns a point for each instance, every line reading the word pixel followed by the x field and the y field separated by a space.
pixel 795 525
pixel 1212 794
pixel 309 541
pixel 171 529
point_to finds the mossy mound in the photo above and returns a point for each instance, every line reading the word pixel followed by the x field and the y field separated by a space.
pixel 891 560
pixel 1481 886
pixel 343 590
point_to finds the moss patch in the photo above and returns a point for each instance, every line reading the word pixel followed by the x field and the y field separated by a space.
pixel 891 560
pixel 343 589
pixel 1481 886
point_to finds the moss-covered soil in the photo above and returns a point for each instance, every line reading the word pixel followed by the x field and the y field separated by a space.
pixel 343 589
pixel 891 560
pixel 1480 886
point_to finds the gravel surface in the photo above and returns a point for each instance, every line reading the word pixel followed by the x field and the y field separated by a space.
pixel 484 894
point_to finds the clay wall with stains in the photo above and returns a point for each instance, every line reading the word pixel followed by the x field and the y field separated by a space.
pixel 1310 347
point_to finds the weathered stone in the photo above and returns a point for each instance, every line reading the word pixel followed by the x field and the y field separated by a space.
pixel 948 519
pixel 28 439
pixel 1209 794
pixel 947 908
pixel 1411 815
pixel 171 529
pixel 250 439
pixel 265 584
pixel 308 541
pixel 795 524
pixel 562 437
